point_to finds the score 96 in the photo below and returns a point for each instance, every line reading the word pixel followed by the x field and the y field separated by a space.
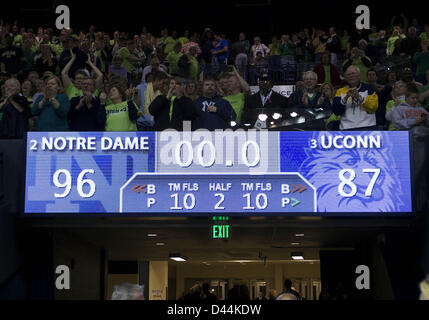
pixel 66 178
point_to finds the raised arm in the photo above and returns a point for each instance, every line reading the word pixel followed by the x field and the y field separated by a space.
pixel 98 73
pixel 65 73
pixel 244 85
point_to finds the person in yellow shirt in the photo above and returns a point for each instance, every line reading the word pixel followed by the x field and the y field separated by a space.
pixel 160 79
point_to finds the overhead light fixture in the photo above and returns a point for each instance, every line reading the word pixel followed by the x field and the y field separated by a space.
pixel 297 256
pixel 263 117
pixel 277 116
pixel 177 257
pixel 247 124
pixel 152 235
pixel 233 123
pixel 299 235
pixel 294 114
pixel 295 243
pixel 160 244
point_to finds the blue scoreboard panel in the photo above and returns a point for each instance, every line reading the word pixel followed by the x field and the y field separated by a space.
pixel 238 173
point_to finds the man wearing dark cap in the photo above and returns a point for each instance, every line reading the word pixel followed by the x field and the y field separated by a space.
pixel 265 97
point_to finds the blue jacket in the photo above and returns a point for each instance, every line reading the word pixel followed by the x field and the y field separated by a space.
pixel 220 119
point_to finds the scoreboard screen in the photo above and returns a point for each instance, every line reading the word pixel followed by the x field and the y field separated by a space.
pixel 237 173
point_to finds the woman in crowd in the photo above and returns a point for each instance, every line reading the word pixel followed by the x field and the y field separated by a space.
pixel 52 107
pixel 328 94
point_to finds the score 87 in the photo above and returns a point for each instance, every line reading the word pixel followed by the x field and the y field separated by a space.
pixel 67 184
pixel 349 182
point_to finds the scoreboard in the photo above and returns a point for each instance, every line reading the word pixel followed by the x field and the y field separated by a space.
pixel 238 173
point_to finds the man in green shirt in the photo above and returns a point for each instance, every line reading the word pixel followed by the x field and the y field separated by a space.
pixel 129 58
pixel 396 35
pixel 287 53
pixel 421 59
pixel 185 39
pixel 358 59
pixel 170 42
pixel 73 88
pixel 238 89
pixel 194 66
pixel 173 58
pixel 286 47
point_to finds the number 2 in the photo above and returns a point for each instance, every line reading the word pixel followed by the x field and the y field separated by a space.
pixel 33 145
pixel 222 199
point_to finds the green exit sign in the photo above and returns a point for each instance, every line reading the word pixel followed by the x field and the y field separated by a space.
pixel 220 227
pixel 221 231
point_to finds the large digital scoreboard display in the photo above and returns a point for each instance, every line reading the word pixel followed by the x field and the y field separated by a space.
pixel 237 173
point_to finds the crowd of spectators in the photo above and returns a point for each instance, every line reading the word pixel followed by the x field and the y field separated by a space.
pixel 89 81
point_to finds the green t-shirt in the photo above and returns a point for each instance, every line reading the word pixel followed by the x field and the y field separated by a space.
pixel 274 49
pixel 117 118
pixel 237 103
pixel 363 68
pixel 287 49
pixel 421 90
pixel 169 45
pixel 344 42
pixel 389 106
pixel 327 73
pixel 373 37
pixel 73 92
pixel 173 59
pixel 17 41
pixel 193 71
pixel 391 43
pixel 183 40
pixel 125 53
pixel 421 59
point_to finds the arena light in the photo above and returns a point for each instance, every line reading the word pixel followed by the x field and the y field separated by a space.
pixel 277 116
pixel 263 117
pixel 297 256
pixel 177 257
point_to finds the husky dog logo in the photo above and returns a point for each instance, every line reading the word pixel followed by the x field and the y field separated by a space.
pixel 322 168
